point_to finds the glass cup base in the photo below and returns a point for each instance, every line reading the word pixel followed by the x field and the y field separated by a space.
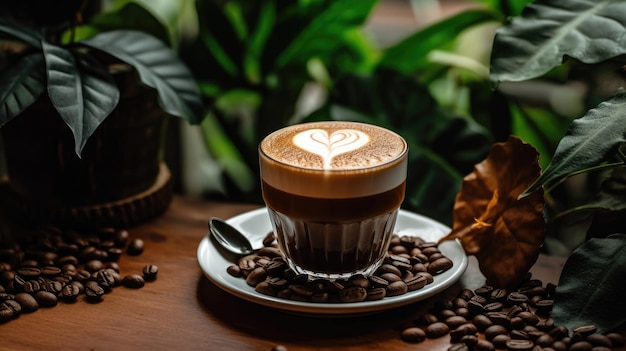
pixel 369 271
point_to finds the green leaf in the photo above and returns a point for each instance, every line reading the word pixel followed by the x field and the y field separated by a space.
pixel 130 16
pixel 587 142
pixel 82 97
pixel 321 36
pixel 612 194
pixel 20 86
pixel 158 67
pixel 411 54
pixel 550 30
pixel 227 155
pixel 25 34
pixel 590 289
pixel 256 41
pixel 219 37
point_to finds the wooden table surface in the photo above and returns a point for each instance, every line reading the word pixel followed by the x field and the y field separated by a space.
pixel 183 310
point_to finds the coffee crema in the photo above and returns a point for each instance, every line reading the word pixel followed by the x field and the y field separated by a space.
pixel 333 159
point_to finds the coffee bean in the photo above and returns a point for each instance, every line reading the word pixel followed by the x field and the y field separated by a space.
pixel 484 345
pixel 461 331
pixel 105 279
pixel 617 339
pixel 454 322
pixel 135 247
pixel 376 294
pixel 437 330
pixel 528 317
pixel 50 271
pixel 599 340
pixel 416 282
pixel 429 277
pixel 53 286
pixel 581 346
pixel 585 330
pixel 319 297
pixel 27 302
pixel 440 265
pixel 6 314
pixel 396 288
pixel 519 345
pixel 500 340
pixel 469 340
pixel 70 293
pixel 234 270
pixel 359 280
pixel 499 295
pixel 484 291
pixel 389 268
pixel 601 348
pixel 559 332
pixel 46 299
pixel 353 294
pixel 495 330
pixel 475 308
pixel 544 340
pixel 265 289
pixel 516 298
pixel 413 334
pixel 494 307
pixel 14 306
pixel 256 276
pixel 29 272
pixel 519 335
pixel 133 281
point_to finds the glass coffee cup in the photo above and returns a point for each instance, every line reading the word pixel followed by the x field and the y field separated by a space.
pixel 333 190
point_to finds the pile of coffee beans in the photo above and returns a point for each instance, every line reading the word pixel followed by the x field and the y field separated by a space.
pixel 489 319
pixel 44 266
pixel 410 264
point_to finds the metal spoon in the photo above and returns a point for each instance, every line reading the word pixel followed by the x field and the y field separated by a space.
pixel 230 238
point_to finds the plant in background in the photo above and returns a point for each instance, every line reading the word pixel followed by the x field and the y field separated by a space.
pixel 38 58
pixel 585 38
pixel 255 62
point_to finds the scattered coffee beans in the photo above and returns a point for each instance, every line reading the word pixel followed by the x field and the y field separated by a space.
pixel 44 266
pixel 502 320
pixel 133 281
pixel 410 265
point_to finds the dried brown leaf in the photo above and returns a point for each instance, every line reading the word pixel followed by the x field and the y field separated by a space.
pixel 503 232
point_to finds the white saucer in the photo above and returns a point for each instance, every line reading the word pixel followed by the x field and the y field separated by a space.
pixel 256 225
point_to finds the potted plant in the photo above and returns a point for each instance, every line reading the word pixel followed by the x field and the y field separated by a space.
pixel 83 120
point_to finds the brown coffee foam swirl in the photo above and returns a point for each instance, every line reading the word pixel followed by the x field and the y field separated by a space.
pixel 376 165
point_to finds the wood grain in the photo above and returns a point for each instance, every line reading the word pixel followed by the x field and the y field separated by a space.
pixel 182 310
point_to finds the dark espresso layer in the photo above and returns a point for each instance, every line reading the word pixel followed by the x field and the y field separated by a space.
pixel 332 210
pixel 330 248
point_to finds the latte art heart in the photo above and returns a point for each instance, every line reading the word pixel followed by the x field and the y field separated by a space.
pixel 327 146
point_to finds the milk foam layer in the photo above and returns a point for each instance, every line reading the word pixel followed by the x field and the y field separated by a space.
pixel 333 159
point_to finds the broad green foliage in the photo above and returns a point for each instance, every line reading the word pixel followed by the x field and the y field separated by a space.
pixel 20 86
pixel 548 33
pixel 80 86
pixel 253 60
pixel 590 140
pixel 408 56
pixel 82 95
pixel 158 67
pixel 591 285
pixel 551 30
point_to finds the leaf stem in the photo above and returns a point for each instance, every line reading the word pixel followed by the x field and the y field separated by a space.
pixel 590 169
